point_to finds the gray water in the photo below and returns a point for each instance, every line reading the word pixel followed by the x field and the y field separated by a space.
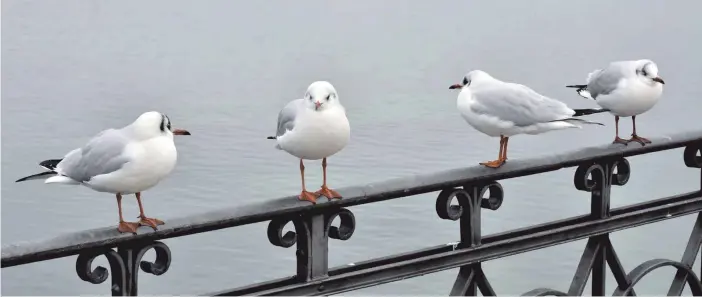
pixel 223 69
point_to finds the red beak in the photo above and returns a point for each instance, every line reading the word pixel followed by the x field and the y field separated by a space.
pixel 317 104
pixel 456 86
pixel 180 132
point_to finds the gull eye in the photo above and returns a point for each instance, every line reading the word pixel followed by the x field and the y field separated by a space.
pixel 328 96
pixel 466 81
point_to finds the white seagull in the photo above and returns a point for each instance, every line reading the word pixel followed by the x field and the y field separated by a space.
pixel 503 109
pixel 312 128
pixel 626 89
pixel 120 161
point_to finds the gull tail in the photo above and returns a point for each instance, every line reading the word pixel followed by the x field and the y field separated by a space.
pixel 49 165
pixel 575 121
pixel 587 111
pixel 582 91
pixel 277 146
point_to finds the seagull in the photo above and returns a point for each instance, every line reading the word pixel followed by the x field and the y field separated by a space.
pixel 120 161
pixel 626 89
pixel 504 109
pixel 312 128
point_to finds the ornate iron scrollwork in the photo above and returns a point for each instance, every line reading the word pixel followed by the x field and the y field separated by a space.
pixel 595 176
pixel 123 266
pixel 347 224
pixel 598 178
pixel 100 274
pixel 495 196
pixel 162 262
pixel 344 231
pixel 276 236
pixel 447 211
pixel 464 195
pixel 312 249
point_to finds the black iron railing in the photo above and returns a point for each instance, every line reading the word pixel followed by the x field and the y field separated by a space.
pixel 475 189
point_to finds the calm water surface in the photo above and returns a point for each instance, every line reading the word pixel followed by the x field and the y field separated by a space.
pixel 223 69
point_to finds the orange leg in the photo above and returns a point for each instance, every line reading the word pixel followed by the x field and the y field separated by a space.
pixel 616 129
pixel 326 191
pixel 305 195
pixel 501 156
pixel 636 138
pixel 144 220
pixel 504 150
pixel 123 226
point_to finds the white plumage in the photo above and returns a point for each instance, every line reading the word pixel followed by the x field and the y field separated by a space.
pixel 626 89
pixel 120 161
pixel 503 109
pixel 498 108
pixel 312 128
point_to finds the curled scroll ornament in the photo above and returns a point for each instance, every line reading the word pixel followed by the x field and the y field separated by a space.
pixel 276 236
pixel 119 269
pixel 594 176
pixel 464 195
pixel 347 225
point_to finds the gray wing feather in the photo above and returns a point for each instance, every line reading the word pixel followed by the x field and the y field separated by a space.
pixel 518 104
pixel 286 117
pixel 603 82
pixel 101 155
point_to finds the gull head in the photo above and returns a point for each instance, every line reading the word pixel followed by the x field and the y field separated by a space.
pixel 471 78
pixel 321 95
pixel 648 70
pixel 154 123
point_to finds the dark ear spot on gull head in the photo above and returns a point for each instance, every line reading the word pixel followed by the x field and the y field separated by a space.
pixel 650 70
pixel 466 82
pixel 166 125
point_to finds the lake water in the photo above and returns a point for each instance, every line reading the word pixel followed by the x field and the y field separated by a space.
pixel 223 70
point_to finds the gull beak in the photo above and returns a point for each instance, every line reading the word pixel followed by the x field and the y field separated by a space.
pixel 317 104
pixel 658 79
pixel 180 132
pixel 456 86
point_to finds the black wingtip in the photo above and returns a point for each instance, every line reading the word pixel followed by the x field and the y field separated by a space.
pixel 50 164
pixel 271 137
pixel 577 86
pixel 34 176
pixel 587 111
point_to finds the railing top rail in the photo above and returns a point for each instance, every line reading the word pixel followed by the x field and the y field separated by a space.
pixel 73 243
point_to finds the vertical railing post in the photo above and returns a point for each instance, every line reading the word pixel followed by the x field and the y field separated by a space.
pixel 598 179
pixel 312 233
pixel 599 209
pixel 470 278
pixel 313 253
